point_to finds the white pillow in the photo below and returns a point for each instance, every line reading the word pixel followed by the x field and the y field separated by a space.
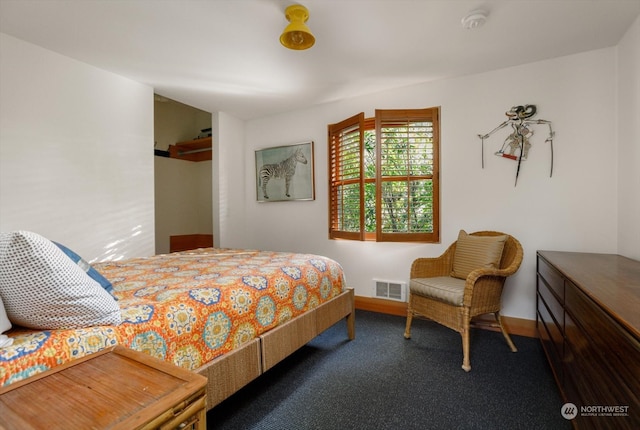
pixel 43 289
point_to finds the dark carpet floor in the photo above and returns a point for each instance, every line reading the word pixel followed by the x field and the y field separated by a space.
pixel 382 381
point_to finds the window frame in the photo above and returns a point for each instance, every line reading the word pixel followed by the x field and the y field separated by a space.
pixel 337 132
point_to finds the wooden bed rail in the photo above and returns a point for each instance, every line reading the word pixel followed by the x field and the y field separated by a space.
pixel 230 372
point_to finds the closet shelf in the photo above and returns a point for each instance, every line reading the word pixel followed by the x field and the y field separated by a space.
pixel 192 150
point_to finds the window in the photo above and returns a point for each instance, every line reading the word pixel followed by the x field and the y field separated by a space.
pixel 384 177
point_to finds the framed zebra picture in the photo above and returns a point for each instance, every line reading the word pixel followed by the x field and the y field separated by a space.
pixel 285 173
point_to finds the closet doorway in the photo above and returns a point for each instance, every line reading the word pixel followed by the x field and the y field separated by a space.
pixel 183 178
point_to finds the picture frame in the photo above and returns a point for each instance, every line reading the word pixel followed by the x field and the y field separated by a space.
pixel 285 173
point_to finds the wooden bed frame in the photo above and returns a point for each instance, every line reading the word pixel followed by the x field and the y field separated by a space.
pixel 229 373
pixel 233 370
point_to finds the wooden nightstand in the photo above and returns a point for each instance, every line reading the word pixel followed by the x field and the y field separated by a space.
pixel 117 389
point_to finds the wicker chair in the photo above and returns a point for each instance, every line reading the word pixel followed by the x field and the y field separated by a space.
pixel 479 294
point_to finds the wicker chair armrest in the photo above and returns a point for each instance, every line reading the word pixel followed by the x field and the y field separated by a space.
pixel 479 273
pixel 431 267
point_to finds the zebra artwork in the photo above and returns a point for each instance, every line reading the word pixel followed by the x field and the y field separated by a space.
pixel 284 169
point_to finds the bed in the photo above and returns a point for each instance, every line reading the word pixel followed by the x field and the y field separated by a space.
pixel 227 314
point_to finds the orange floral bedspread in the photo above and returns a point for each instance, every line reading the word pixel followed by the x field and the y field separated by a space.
pixel 186 308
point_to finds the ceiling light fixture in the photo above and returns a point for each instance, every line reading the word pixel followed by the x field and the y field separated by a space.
pixel 474 19
pixel 297 35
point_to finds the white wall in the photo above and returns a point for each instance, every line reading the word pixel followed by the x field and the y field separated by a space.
pixel 629 141
pixel 229 178
pixel 76 159
pixel 575 210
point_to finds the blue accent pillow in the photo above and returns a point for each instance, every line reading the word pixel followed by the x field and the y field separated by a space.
pixel 93 273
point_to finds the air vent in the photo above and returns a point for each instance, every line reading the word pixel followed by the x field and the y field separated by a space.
pixel 392 290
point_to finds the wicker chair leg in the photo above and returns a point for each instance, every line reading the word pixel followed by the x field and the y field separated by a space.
pixel 407 329
pixel 504 333
pixel 466 364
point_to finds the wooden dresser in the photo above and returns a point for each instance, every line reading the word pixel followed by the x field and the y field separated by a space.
pixel 588 319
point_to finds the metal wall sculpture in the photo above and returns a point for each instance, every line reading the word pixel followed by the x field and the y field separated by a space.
pixel 516 146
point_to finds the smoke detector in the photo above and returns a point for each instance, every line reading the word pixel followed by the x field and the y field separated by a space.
pixel 474 19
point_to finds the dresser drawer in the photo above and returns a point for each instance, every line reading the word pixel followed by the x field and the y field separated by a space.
pixel 611 342
pixel 589 382
pixel 554 355
pixel 555 308
pixel 552 278
pixel 555 331
pixel 581 360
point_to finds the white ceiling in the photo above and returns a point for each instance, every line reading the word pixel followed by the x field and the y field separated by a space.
pixel 224 55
